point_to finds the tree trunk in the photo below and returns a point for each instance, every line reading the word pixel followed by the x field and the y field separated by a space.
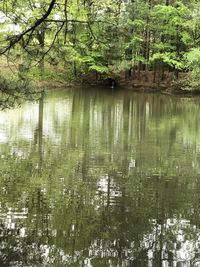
pixel 176 72
pixel 167 2
pixel 41 40
pixel 139 70
pixel 154 71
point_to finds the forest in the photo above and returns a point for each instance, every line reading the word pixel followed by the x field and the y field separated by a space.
pixel 136 42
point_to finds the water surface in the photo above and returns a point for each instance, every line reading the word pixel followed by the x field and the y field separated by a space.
pixel 96 178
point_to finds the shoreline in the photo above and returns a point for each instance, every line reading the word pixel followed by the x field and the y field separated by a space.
pixel 163 89
pixel 168 90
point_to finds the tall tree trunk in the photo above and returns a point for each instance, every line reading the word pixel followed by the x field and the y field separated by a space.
pixel 154 71
pixel 41 40
pixel 66 24
pixel 74 45
pixel 139 70
pixel 176 72
pixel 147 42
pixel 167 2
pixel 162 71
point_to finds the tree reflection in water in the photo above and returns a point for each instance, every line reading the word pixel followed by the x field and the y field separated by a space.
pixel 94 178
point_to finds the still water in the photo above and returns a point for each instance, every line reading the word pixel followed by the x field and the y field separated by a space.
pixel 95 178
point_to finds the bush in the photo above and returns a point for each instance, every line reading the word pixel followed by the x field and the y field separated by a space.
pixel 193 64
pixel 14 91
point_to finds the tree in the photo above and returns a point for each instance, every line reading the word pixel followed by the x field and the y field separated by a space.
pixel 193 61
pixel 102 37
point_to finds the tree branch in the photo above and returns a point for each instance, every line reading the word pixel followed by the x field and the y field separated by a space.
pixel 17 38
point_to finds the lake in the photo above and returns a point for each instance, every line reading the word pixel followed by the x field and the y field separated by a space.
pixel 97 178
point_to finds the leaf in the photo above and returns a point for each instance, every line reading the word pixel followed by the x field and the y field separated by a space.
pixel 99 69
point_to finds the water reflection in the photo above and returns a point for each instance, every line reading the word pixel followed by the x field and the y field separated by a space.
pixel 98 178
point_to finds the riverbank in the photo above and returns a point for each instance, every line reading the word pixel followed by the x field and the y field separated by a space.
pixel 170 90
pixel 54 77
pixel 149 83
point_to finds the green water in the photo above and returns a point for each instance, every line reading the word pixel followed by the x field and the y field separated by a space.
pixel 96 178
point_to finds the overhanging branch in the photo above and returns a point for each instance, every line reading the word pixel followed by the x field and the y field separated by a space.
pixel 17 38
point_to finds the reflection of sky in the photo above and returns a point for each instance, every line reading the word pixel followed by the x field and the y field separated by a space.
pixel 20 124
pixel 108 122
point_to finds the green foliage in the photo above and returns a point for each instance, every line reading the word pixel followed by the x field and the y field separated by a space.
pixel 193 64
pixel 193 58
pixel 121 66
pixel 14 91
pixel 99 69
pixel 101 36
pixel 47 74
pixel 169 58
pixel 10 86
